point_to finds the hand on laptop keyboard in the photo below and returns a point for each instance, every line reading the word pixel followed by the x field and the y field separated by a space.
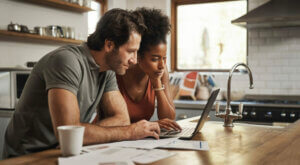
pixel 168 124
pixel 173 132
pixel 164 131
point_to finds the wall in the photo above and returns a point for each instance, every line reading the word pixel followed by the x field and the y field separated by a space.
pixel 17 53
pixel 274 57
pixel 273 53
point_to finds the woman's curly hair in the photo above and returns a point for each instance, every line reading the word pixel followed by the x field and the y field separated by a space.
pixel 158 26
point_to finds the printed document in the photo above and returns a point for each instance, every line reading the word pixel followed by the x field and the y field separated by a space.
pixel 147 143
pixel 116 156
pixel 187 145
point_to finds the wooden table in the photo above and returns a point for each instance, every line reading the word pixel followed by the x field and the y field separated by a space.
pixel 243 144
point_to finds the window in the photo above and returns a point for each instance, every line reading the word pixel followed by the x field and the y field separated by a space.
pixel 203 37
pixel 99 7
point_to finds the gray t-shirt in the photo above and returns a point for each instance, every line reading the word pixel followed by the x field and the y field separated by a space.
pixel 70 67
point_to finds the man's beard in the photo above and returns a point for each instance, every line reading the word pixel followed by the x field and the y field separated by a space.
pixel 114 62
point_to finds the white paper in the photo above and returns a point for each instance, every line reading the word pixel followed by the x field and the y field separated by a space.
pixel 152 156
pixel 104 156
pixel 116 156
pixel 144 144
pixel 187 144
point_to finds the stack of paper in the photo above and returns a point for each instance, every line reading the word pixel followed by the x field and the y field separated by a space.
pixel 127 152
pixel 147 143
pixel 116 156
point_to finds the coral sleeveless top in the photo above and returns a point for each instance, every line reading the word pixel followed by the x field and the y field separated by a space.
pixel 142 109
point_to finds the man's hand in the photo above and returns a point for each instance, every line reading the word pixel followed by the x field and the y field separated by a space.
pixel 168 124
pixel 144 129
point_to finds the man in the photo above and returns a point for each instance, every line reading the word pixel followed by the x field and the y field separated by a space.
pixel 66 86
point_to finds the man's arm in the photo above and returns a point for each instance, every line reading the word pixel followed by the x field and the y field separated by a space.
pixel 115 110
pixel 64 110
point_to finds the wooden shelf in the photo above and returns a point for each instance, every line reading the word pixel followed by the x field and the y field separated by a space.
pixel 36 37
pixel 62 4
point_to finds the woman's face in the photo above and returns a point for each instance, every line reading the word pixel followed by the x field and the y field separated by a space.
pixel 154 61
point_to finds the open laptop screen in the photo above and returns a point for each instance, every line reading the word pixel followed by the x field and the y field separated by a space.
pixel 206 110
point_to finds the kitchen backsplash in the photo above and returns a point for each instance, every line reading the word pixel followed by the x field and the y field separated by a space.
pixel 274 58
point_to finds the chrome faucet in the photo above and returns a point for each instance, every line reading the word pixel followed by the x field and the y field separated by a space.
pixel 228 115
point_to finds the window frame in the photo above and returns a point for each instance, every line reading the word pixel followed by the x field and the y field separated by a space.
pixel 103 4
pixel 174 5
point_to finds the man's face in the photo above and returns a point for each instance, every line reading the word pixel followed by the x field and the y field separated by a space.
pixel 120 59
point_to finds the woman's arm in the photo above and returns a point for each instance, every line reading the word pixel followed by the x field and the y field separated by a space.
pixel 165 106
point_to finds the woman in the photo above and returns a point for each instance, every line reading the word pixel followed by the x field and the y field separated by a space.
pixel 149 78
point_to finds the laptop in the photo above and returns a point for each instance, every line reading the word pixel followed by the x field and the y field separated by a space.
pixel 190 132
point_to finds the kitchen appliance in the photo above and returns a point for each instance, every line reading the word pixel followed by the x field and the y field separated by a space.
pixel 87 3
pixel 14 27
pixel 51 31
pixel 275 13
pixel 12 82
pixel 17 28
pixel 24 29
pixel 71 32
pixel 60 32
pixel 270 110
pixel 40 30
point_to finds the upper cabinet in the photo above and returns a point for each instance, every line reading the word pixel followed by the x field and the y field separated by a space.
pixel 66 5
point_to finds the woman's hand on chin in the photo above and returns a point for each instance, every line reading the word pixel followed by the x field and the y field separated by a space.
pixel 156 82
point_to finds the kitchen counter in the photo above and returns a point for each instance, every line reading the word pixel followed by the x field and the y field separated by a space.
pixel 243 144
pixel 199 104
pixel 260 111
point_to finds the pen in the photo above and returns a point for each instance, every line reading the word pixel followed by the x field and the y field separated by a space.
pixel 200 145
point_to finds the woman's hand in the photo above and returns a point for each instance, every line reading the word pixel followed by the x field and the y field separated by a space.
pixel 156 79
pixel 168 124
pixel 156 82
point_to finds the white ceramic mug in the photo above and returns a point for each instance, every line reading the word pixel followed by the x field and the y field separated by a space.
pixel 70 139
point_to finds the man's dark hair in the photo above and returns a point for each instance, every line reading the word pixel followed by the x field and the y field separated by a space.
pixel 116 25
pixel 158 26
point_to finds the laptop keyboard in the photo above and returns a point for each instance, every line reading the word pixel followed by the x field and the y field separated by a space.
pixel 184 132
